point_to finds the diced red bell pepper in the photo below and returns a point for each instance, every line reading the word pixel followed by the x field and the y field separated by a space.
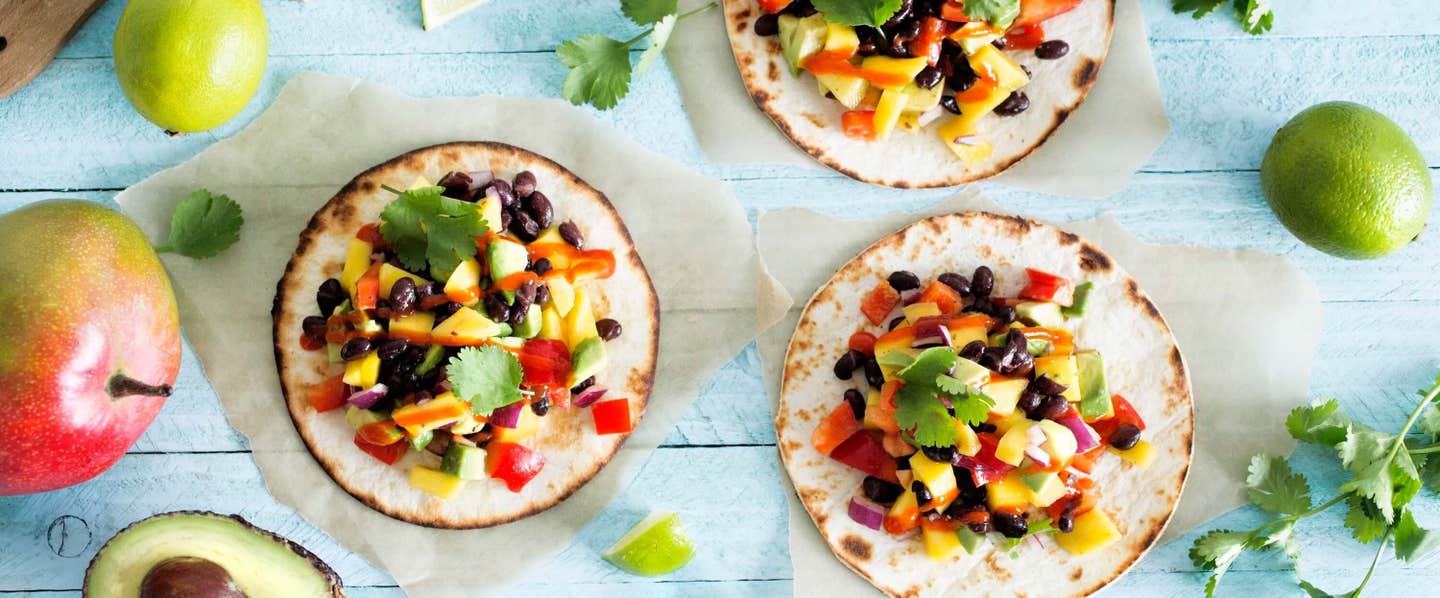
pixel 612 417
pixel 984 467
pixel 367 289
pixel 328 395
pixel 864 452
pixel 1033 12
pixel 546 362
pixel 1045 286
pixel 1125 413
pixel 836 428
pixel 383 433
pixel 311 344
pixel 370 233
pixel 859 124
pixel 559 396
pixel 954 11
pixel 774 6
pixel 896 446
pixel 387 454
pixel 513 464
pixel 878 304
pixel 863 342
pixel 1024 37
pixel 944 297
pixel 928 42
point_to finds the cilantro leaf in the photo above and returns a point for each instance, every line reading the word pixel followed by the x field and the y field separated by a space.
pixel 1199 7
pixel 1036 528
pixel 1314 592
pixel 1363 520
pixel 487 378
pixel 1256 16
pixel 917 410
pixel 1273 487
pixel 1318 423
pixel 1412 541
pixel 1387 477
pixel 872 13
pixel 424 227
pixel 659 36
pixel 599 70
pixel 970 404
pixel 1282 536
pixel 1217 550
pixel 203 225
pixel 1429 421
pixel 998 13
pixel 645 12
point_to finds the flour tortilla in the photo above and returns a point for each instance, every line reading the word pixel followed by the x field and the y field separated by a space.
pixel 574 453
pixel 1142 363
pixel 921 160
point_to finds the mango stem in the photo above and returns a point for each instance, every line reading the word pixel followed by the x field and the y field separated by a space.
pixel 121 385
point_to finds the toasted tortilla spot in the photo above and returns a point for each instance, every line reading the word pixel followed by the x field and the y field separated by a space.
pixel 1085 75
pixel 1068 239
pixel 773 72
pixel 856 547
pixel 1093 260
pixel 1076 574
pixel 741 26
pixel 815 119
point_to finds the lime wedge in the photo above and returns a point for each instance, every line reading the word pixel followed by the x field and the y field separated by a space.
pixel 655 546
pixel 438 12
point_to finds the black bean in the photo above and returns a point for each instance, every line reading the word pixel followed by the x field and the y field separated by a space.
pixel 991 358
pixel 540 266
pixel 426 291
pixel 957 282
pixel 928 77
pixel 897 322
pixel 524 226
pixel 541 406
pixel 496 307
pixel 898 48
pixel 922 494
pixel 381 311
pixel 584 384
pixel 1051 408
pixel 1015 104
pixel 908 29
pixel 403 297
pixel 1125 437
pixel 962 75
pixel 539 208
pixel 903 280
pixel 1052 49
pixel 1026 69
pixel 982 282
pixel 1029 403
pixel 972 350
pixel 457 185
pixel 608 329
pixel 873 375
pixel 900 15
pixel 314 328
pixel 857 403
pixel 1042 384
pixel 524 297
pixel 846 365
pixel 970 494
pixel 354 348
pixel 942 454
pixel 880 491
pixel 542 294
pixel 928 8
pixel 981 526
pixel 902 463
pixel 1066 521
pixel 572 234
pixel 986 428
pixel 1004 314
pixel 767 25
pixel 524 184
pixel 981 305
pixel 391 349
pixel 1010 525
pixel 947 102
pixel 867 49
pixel 505 192
pixel 445 310
pixel 800 8
pixel 1016 360
pixel 1001 43
pixel 330 296
pixel 871 39
pixel 506 217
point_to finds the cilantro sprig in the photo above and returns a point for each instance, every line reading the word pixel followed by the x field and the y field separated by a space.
pixel 918 408
pixel 203 225
pixel 426 228
pixel 1255 16
pixel 600 68
pixel 1387 471
pixel 488 378
pixel 871 13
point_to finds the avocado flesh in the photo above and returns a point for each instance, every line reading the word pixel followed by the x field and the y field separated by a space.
pixel 1095 400
pixel 506 258
pixel 806 37
pixel 258 562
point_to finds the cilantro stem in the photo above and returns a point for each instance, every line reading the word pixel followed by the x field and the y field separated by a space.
pixel 1428 449
pixel 391 189
pixel 1414 415
pixel 164 249
pixel 1385 539
pixel 680 17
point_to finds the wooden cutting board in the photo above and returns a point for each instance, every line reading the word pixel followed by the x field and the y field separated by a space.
pixel 32 33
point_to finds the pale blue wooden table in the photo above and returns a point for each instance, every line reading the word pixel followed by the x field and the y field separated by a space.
pixel 71 134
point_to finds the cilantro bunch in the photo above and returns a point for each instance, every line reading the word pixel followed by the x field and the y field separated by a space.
pixel 425 227
pixel 600 66
pixel 1387 471
pixel 1255 16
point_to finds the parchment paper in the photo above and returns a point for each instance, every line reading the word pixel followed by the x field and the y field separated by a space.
pixel 1124 115
pixel 320 132
pixel 1246 321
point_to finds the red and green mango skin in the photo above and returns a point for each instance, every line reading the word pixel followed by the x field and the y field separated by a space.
pixel 84 297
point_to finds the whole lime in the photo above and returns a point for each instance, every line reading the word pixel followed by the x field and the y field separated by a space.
pixel 1347 180
pixel 190 66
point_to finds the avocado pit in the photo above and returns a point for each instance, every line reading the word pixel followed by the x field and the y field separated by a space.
pixel 190 577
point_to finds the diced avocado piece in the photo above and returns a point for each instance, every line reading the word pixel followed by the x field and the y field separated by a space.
pixel 898 358
pixel 971 373
pixel 1038 347
pixel 505 329
pixel 1080 301
pixel 357 417
pixel 187 545
pixel 848 90
pixel 464 462
pixel 530 326
pixel 969 540
pixel 805 37
pixel 921 99
pixel 506 258
pixel 1040 313
pixel 433 355
pixel 1094 391
pixel 332 351
pixel 511 342
pixel 422 440
pixel 587 359
pixel 1045 488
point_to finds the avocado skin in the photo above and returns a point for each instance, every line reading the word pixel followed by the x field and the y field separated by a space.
pixel 332 579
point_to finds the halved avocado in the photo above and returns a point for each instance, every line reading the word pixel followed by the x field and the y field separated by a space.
pixel 194 553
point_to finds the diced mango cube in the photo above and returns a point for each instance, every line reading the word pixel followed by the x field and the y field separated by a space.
pixel 1007 73
pixel 966 441
pixel 463 285
pixel 490 211
pixel 848 90
pixel 579 324
pixel 915 311
pixel 363 372
pixel 465 327
pixel 389 275
pixel 1092 530
pixel 888 111
pixel 1011 449
pixel 903 69
pixel 939 478
pixel 562 294
pixel 434 482
pixel 357 261
pixel 972 151
pixel 1009 492
pixel 841 39
pixel 939 543
pixel 959 337
pixel 420 182
pixel 1006 392
pixel 1141 455
pixel 528 425
pixel 415 327
pixel 551 324
pixel 1062 369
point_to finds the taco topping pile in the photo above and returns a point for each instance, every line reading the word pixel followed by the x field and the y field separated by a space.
pixel 927 58
pixel 978 414
pixel 459 321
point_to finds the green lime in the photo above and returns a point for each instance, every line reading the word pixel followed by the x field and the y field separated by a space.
pixel 655 546
pixel 190 66
pixel 1347 180
pixel 435 13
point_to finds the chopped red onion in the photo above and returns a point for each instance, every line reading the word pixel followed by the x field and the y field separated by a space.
pixel 507 416
pixel 588 396
pixel 930 115
pixel 1036 435
pixel 867 512
pixel 939 337
pixel 1035 538
pixel 971 140
pixel 1086 438
pixel 367 398
pixel 480 178
pixel 1077 473
pixel 1038 455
